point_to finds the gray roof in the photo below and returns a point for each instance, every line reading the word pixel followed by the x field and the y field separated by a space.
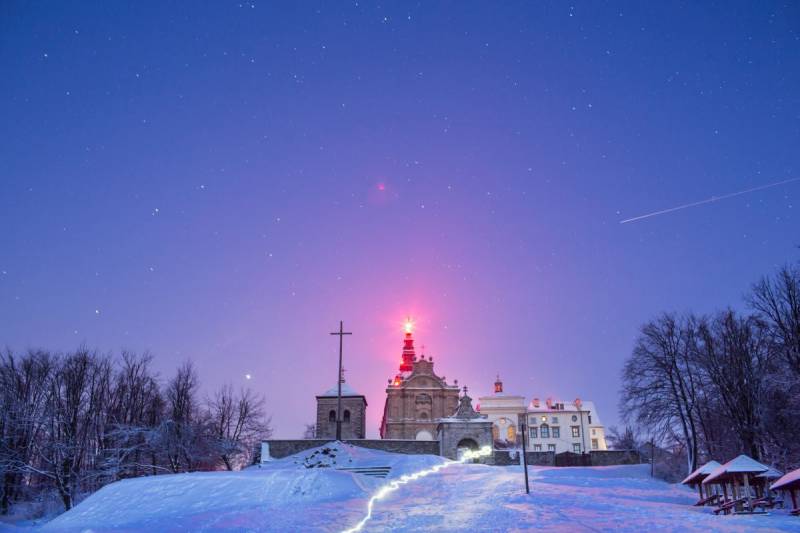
pixel 347 390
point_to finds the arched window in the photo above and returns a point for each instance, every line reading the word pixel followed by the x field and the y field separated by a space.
pixel 332 416
pixel 544 431
pixel 346 416
pixel 423 415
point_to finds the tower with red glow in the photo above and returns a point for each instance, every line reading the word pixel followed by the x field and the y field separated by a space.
pixel 409 355
pixel 416 398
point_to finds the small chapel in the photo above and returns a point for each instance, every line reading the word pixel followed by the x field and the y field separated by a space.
pixel 416 398
pixel 354 413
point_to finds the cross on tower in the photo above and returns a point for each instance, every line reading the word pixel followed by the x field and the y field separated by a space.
pixel 341 333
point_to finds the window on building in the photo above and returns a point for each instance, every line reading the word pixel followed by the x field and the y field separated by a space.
pixel 590 419
pixel 533 432
pixel 576 431
pixel 332 416
pixel 544 431
pixel 594 432
pixel 556 432
pixel 532 421
pixel 551 447
pixel 574 418
pixel 511 434
pixel 595 444
pixel 346 418
pixel 555 420
pixel 576 447
pixel 537 447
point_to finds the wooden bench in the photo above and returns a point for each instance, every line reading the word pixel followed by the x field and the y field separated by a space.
pixel 707 501
pixel 726 507
pixel 768 503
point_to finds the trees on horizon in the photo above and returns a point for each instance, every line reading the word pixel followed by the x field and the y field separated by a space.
pixel 716 386
pixel 71 423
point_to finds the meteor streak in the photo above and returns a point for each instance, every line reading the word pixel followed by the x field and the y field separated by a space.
pixel 708 200
pixel 394 485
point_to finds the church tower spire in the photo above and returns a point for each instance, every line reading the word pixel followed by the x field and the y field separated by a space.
pixel 408 348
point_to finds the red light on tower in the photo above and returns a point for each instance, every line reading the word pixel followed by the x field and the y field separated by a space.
pixel 408 347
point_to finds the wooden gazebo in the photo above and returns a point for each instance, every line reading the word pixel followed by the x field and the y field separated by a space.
pixel 696 479
pixel 790 483
pixel 736 473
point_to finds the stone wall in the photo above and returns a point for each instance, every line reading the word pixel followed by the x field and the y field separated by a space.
pixel 598 458
pixel 504 458
pixel 615 457
pixel 279 448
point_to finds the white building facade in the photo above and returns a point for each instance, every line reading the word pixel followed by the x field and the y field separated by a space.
pixel 505 412
pixel 554 426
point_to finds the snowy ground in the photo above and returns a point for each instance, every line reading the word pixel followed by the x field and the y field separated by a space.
pixel 287 495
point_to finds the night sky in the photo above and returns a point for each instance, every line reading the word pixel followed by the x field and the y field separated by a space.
pixel 226 181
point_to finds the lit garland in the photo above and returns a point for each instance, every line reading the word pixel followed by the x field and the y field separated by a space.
pixel 394 485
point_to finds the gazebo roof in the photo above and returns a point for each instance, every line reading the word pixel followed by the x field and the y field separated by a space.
pixel 698 475
pixel 771 473
pixel 788 481
pixel 740 465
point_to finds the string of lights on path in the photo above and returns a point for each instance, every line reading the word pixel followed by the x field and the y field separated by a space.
pixel 465 455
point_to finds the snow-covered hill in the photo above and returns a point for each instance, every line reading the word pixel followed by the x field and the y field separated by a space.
pixel 307 493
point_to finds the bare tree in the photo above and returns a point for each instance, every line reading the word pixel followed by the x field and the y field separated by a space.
pixel 236 422
pixel 626 439
pixel 24 397
pixel 79 390
pixel 734 354
pixel 777 300
pixel 179 433
pixel 660 385
pixel 136 409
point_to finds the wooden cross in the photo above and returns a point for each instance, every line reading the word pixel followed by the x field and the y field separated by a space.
pixel 341 333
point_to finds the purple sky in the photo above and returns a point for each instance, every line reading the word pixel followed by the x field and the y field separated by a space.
pixel 225 182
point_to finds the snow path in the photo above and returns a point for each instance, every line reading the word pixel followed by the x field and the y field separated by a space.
pixel 486 498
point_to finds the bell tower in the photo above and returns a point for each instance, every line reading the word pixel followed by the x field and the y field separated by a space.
pixel 498 385
pixel 407 364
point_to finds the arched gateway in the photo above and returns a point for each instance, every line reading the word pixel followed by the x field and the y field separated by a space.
pixel 468 444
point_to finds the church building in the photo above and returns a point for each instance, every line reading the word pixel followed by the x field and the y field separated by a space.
pixel 416 397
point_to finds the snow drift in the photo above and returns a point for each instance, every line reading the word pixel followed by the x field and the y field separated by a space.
pixel 306 492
